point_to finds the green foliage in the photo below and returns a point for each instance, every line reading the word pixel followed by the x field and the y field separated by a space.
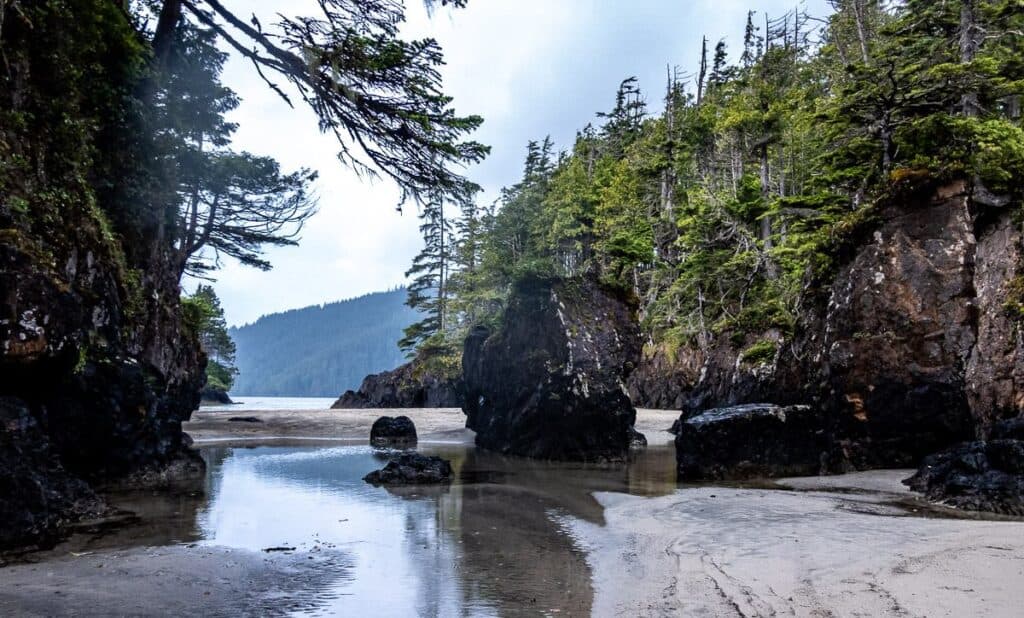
pixel 204 317
pixel 723 211
pixel 761 352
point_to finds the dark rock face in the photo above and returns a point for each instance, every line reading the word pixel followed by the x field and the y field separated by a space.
pixel 39 494
pixel 752 440
pixel 662 378
pixel 393 431
pixel 908 348
pixel 637 440
pixel 412 469
pixel 977 476
pixel 96 370
pixel 211 395
pixel 550 382
pixel 407 386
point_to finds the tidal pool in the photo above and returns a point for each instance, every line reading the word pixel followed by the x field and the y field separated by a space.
pixel 494 542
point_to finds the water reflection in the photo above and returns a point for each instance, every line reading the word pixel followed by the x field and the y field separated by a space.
pixel 488 544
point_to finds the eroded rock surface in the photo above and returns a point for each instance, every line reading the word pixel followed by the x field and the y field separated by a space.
pixel 393 431
pixel 411 469
pixel 550 382
pixel 408 386
pixel 908 347
pixel 753 440
pixel 976 476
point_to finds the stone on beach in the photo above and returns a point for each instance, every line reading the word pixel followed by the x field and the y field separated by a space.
pixel 411 469
pixel 752 440
pixel 393 431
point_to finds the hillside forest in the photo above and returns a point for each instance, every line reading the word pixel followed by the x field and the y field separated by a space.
pixel 728 208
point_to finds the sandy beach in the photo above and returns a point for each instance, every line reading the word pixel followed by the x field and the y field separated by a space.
pixel 852 545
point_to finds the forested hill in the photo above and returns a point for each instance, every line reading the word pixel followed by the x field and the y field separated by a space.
pixel 321 351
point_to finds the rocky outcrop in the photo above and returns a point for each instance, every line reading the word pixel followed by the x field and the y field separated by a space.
pixel 412 469
pixel 663 377
pixel 753 440
pixel 908 347
pixel 212 396
pixel 549 383
pixel 393 431
pixel 980 475
pixel 97 371
pixel 408 386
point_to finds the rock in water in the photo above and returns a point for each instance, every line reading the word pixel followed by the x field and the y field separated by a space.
pixel 550 382
pixel 408 386
pixel 978 476
pixel 752 440
pixel 393 431
pixel 411 469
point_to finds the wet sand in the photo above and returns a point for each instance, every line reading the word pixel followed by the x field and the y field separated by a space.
pixel 437 425
pixel 718 551
pixel 852 545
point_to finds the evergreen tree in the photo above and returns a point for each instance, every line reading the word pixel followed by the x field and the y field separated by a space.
pixel 205 316
pixel 428 290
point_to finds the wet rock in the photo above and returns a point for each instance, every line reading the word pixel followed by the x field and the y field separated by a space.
pixel 637 440
pixel 1009 429
pixel 411 469
pixel 677 425
pixel 393 431
pixel 752 440
pixel 549 383
pixel 408 386
pixel 37 495
pixel 975 476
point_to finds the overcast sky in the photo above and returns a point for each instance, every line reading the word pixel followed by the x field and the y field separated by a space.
pixel 530 67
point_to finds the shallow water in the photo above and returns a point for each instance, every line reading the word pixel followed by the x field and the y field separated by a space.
pixel 495 542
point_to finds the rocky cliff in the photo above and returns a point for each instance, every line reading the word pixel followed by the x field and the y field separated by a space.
pixel 910 346
pixel 408 386
pixel 550 382
pixel 97 371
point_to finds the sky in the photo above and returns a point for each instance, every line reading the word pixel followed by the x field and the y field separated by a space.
pixel 531 68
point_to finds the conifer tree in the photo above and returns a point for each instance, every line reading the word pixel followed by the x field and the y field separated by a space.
pixel 428 290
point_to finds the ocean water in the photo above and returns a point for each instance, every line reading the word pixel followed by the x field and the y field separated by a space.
pixel 257 402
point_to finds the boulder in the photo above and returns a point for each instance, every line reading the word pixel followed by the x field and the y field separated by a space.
pixel 752 440
pixel 975 476
pixel 549 383
pixel 412 469
pixel 393 431
pixel 408 386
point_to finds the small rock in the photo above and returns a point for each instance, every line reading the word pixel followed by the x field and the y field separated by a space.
pixel 975 476
pixel 637 440
pixel 411 469
pixel 393 431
